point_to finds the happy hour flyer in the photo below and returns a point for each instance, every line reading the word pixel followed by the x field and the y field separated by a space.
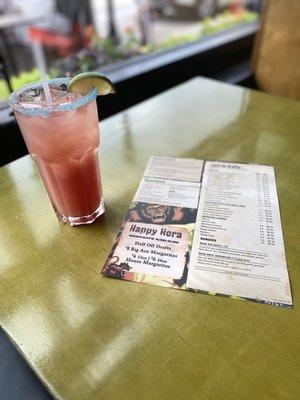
pixel 207 226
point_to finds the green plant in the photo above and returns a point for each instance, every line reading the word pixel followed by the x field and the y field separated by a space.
pixel 111 48
pixel 18 81
pixel 209 26
pixel 226 20
pixel 131 42
pixel 173 41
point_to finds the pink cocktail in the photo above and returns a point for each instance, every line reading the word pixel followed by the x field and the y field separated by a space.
pixel 63 141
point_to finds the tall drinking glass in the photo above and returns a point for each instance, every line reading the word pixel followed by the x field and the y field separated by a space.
pixel 64 141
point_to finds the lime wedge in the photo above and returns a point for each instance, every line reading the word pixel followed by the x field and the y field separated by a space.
pixel 85 82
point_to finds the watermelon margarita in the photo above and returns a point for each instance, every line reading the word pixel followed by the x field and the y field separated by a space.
pixel 63 140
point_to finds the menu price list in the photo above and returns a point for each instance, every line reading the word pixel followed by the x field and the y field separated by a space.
pixel 238 245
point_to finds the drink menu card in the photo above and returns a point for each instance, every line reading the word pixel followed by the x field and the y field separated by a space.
pixel 207 226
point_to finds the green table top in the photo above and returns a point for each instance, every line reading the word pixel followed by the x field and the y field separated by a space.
pixel 89 337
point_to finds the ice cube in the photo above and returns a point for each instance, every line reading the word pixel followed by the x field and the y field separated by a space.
pixel 31 95
pixel 63 87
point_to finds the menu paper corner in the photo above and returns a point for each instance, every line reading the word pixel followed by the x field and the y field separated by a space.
pixel 206 226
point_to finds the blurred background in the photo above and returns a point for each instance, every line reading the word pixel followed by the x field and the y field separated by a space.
pixel 146 47
pixel 83 35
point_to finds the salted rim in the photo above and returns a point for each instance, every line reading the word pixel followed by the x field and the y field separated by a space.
pixel 46 111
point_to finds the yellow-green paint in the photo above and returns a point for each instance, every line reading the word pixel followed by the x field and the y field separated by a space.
pixel 92 338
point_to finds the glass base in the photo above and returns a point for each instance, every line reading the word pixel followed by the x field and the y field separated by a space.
pixel 85 219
